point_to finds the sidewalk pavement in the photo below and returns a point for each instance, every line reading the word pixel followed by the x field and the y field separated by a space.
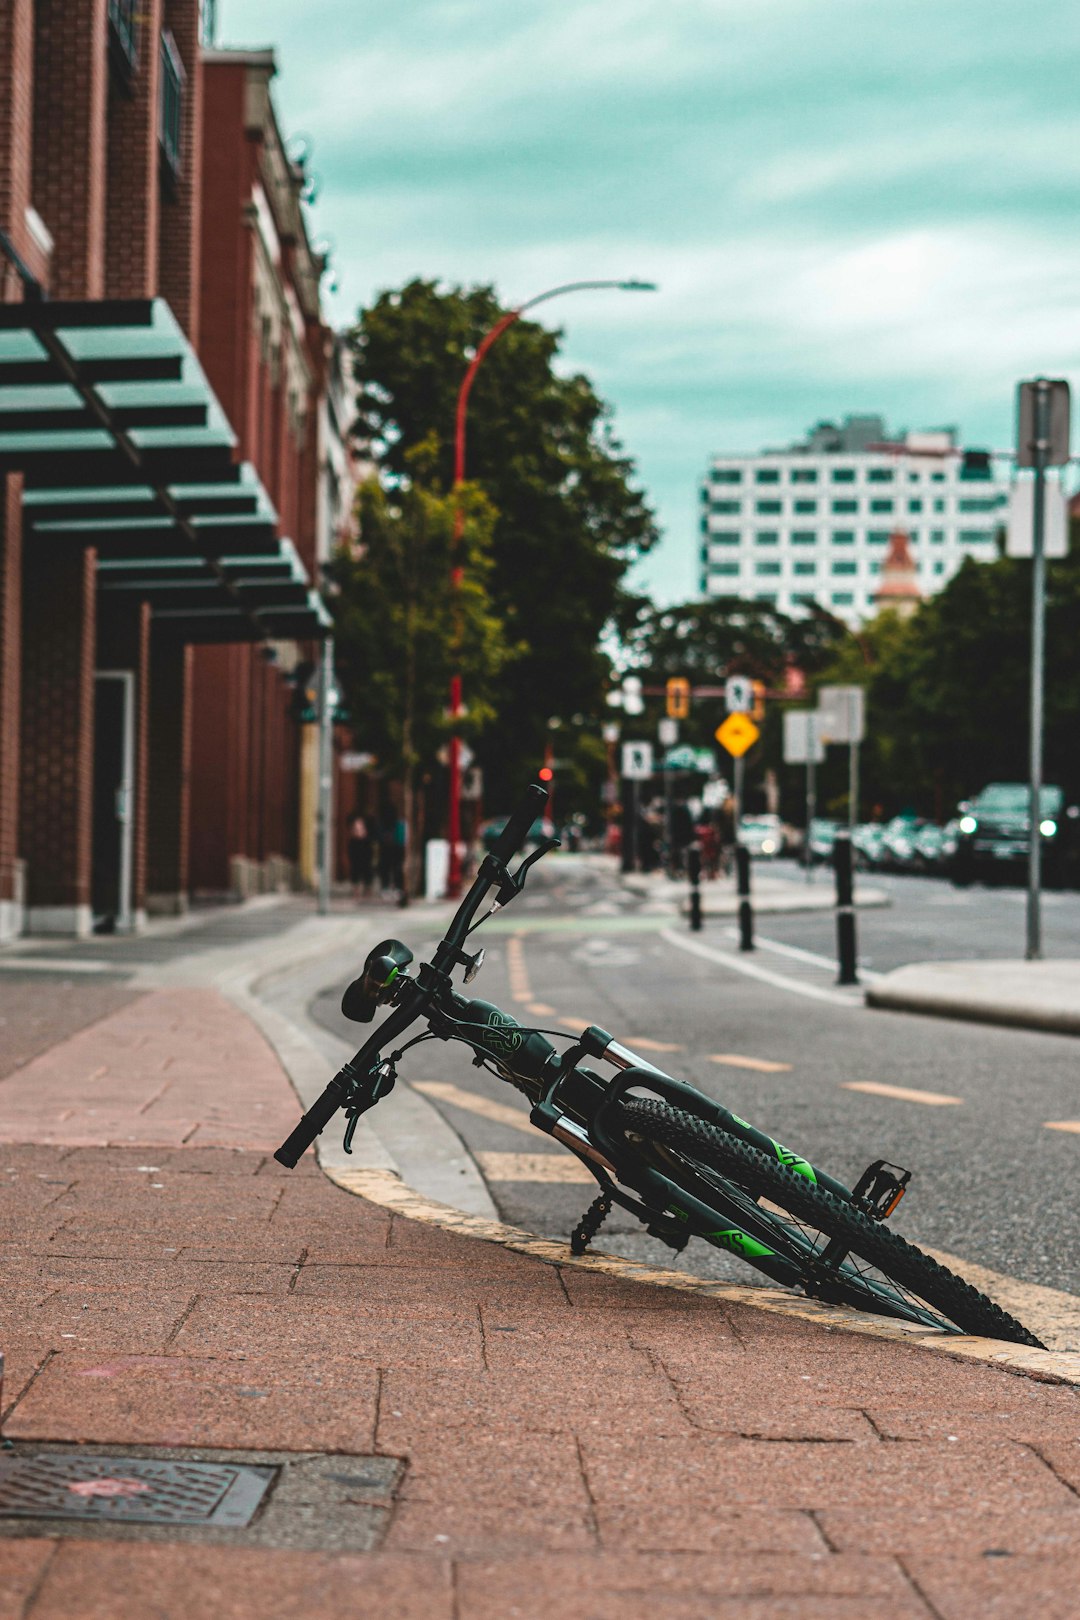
pixel 770 894
pixel 1025 995
pixel 498 1436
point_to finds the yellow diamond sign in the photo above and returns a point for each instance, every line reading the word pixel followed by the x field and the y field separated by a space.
pixel 737 734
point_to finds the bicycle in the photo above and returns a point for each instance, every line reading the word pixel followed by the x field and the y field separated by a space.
pixel 679 1161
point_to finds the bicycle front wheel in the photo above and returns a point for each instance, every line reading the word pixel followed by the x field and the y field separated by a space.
pixel 842 1254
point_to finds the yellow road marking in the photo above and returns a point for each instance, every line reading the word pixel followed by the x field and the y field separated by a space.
pixel 1063 1125
pixel 497 1112
pixel 573 1023
pixel 548 1167
pixel 735 1060
pixel 540 1009
pixel 650 1046
pixel 933 1099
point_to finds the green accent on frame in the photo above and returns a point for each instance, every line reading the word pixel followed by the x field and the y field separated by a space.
pixel 794 1161
pixel 737 1242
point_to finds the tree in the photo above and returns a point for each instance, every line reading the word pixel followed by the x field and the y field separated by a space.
pixel 397 620
pixel 568 522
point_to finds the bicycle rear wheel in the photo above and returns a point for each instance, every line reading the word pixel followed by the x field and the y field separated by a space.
pixel 843 1255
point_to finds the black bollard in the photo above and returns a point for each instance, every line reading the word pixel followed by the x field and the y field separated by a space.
pixel 746 914
pixel 693 867
pixel 843 866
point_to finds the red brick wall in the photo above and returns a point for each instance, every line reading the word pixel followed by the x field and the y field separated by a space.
pixel 131 210
pixel 16 123
pixel 180 225
pixel 70 92
pixel 123 642
pixel 225 279
pixel 10 614
pixel 58 636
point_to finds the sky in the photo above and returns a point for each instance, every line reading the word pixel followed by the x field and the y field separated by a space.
pixel 848 205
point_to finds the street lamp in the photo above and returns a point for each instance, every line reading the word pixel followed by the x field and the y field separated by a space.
pixel 456 572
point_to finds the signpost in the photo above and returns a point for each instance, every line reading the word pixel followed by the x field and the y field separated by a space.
pixel 738 733
pixel 738 694
pixel 637 766
pixel 1042 441
pixel 803 746
pixel 842 718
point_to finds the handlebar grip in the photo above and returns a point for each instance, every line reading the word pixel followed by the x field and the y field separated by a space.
pixel 318 1115
pixel 517 828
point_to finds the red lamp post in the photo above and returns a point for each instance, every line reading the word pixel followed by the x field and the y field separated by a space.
pixel 491 337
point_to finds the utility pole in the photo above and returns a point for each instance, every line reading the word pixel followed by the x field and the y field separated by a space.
pixel 324 827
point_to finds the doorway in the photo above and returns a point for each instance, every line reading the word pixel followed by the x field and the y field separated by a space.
pixel 114 800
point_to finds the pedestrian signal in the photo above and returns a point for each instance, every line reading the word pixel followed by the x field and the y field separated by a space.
pixel 678 698
pixel 758 711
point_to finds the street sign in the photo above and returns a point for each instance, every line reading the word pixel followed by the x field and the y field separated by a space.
pixel 1020 534
pixel 739 694
pixel 354 761
pixel 1056 430
pixel 738 733
pixel 802 739
pixel 842 714
pixel 690 759
pixel 637 761
pixel 667 732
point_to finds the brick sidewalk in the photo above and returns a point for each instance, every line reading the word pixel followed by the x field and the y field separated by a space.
pixel 572 1443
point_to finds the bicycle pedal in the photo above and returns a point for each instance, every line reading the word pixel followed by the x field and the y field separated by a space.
pixel 880 1188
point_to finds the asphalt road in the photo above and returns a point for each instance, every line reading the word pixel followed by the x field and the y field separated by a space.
pixel 991 1182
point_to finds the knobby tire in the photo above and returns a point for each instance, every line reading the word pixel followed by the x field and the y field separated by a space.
pixel 872 1241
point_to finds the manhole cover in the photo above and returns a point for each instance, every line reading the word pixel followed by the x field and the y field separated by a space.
pixel 131 1490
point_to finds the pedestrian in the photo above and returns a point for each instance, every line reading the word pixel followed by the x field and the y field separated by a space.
pixel 360 855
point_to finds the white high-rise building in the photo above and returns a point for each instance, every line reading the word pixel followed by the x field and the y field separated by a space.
pixel 812 524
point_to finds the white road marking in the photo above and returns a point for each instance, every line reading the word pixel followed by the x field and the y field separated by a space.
pixel 735 1061
pixel 56 964
pixel 472 1103
pixel 933 1099
pixel 797 954
pixel 750 970
pixel 535 1167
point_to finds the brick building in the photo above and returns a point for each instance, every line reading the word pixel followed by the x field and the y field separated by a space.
pixel 164 462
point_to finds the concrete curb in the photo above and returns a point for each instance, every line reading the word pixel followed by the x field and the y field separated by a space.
pixel 1018 995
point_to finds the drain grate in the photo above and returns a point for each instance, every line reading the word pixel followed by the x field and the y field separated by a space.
pixel 130 1490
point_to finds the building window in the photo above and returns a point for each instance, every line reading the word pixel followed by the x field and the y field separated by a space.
pixel 975 537
pixel 769 507
pixel 939 506
pixel 880 475
pixel 914 506
pixel 768 475
pixel 970 504
pixel 881 506
pixel 843 537
pixel 878 537
pixel 768 537
pixel 843 475
pixel 804 475
pixel 845 506
pixel 803 537
pixel 170 109
pixel 845 565
pixel 875 566
pixel 843 598
pixel 767 568
pixel 766 598
pixel 806 507
pixel 937 537
pixel 727 508
pixel 124 38
pixel 805 599
pixel 913 477
pixel 727 475
pixel 937 478
pixel 725 537
pixel 805 566
pixel 726 568
pixel 939 566
pixel 913 536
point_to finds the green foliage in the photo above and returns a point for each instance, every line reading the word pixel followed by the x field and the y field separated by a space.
pixel 567 523
pixel 397 618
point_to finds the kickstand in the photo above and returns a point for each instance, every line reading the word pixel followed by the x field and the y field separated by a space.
pixel 590 1223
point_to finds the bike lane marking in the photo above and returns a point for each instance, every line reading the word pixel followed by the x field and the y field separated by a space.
pixel 735 1060
pixel 1063 1125
pixel 780 981
pixel 473 1103
pixel 532 1167
pixel 933 1099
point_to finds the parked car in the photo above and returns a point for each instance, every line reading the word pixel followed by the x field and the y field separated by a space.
pixel 821 836
pixel 762 835
pixel 898 844
pixel 869 842
pixel 993 835
pixel 929 847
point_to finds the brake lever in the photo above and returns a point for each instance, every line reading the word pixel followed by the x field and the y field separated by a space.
pixel 381 1083
pixel 514 883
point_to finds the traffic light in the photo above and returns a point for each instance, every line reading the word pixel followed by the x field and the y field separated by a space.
pixel 678 698
pixel 546 774
pixel 758 711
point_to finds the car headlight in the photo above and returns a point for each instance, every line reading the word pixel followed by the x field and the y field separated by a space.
pixel 968 824
pixel 1048 828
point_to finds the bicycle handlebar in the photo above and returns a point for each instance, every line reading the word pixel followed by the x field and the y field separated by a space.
pixel 518 827
pixel 314 1121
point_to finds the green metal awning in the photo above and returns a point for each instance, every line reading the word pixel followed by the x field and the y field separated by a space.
pixel 123 446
